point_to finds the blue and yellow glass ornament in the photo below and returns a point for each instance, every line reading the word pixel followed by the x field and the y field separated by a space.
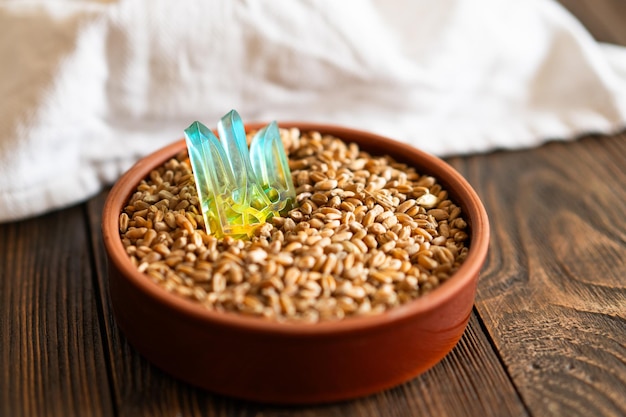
pixel 239 188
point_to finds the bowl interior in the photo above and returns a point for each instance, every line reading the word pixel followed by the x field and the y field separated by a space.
pixel 458 188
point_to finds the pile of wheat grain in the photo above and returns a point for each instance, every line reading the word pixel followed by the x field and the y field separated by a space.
pixel 368 234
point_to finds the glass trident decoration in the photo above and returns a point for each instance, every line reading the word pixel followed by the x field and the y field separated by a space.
pixel 239 189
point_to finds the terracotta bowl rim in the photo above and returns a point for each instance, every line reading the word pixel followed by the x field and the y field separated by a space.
pixel 469 270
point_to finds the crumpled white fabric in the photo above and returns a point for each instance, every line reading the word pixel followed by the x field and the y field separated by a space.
pixel 87 87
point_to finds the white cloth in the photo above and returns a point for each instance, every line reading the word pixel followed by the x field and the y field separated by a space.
pixel 87 87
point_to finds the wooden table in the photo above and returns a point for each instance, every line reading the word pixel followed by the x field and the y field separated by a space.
pixel 547 337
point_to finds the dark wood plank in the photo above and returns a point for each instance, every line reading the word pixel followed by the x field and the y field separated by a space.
pixel 553 293
pixel 468 382
pixel 604 19
pixel 51 356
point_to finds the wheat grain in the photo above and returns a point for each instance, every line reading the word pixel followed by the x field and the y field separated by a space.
pixel 368 234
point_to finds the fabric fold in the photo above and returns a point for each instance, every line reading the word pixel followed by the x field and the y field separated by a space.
pixel 89 87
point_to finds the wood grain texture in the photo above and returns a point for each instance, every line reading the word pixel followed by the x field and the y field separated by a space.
pixel 553 292
pixel 51 357
pixel 561 327
pixel 468 382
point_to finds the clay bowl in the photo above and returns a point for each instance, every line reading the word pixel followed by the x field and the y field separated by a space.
pixel 265 361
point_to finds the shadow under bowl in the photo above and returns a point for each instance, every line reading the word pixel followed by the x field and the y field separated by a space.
pixel 266 361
